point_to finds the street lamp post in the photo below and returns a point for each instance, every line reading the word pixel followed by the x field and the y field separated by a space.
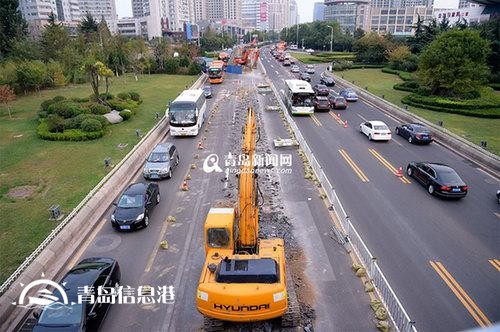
pixel 331 39
pixel 297 34
pixel 302 43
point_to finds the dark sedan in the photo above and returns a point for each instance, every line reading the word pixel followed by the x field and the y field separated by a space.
pixel 134 206
pixel 328 81
pixel 95 272
pixel 337 102
pixel 439 179
pixel 305 77
pixel 415 133
pixel 321 90
pixel 287 63
pixel 321 103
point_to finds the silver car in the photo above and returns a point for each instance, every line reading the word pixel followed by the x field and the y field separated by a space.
pixel 161 162
pixel 295 69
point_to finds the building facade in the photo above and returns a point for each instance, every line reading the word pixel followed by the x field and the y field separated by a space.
pixel 351 15
pixel 470 15
pixel 100 9
pixel 293 17
pixel 319 11
pixel 278 14
pixel 398 21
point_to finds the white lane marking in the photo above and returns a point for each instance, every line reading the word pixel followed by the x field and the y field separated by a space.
pixel 488 174
pixel 395 141
pixel 497 214
pixel 362 117
pixel 271 65
pixel 282 91
pixel 277 72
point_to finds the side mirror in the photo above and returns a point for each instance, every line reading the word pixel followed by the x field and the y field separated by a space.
pixel 36 314
pixel 114 204
pixel 92 315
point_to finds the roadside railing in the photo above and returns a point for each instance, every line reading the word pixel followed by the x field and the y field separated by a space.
pixel 395 309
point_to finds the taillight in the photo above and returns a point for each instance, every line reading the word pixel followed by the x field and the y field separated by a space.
pixel 376 133
pixel 418 136
pixel 445 188
pixel 465 188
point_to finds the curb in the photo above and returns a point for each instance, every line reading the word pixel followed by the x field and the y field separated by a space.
pixel 485 159
pixel 57 250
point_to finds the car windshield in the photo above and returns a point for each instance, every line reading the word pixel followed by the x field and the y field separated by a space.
pixel 158 157
pixel 380 127
pixel 340 100
pixel 449 176
pixel 214 73
pixel 59 314
pixel 130 201
pixel 207 89
pixel 302 99
pixel 182 113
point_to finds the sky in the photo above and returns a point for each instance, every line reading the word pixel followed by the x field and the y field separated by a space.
pixel 124 8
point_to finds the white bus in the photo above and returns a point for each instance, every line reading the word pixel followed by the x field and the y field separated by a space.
pixel 299 97
pixel 187 113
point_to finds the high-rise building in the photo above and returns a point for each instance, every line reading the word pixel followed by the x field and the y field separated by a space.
pixel 174 14
pixel 278 11
pixel 319 11
pixel 68 10
pixel 397 21
pixel 401 3
pixel 37 11
pixel 250 10
pixel 351 14
pixel 141 8
pixel 293 19
pixel 224 10
pixel 100 9
pixel 467 4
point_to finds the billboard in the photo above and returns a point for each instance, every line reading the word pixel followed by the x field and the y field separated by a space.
pixel 189 34
pixel 263 12
pixel 195 31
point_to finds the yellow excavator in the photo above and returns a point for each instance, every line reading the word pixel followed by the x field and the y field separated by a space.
pixel 244 278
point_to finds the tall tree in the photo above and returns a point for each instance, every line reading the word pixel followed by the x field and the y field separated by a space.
pixel 455 63
pixel 54 39
pixel 88 27
pixel 12 25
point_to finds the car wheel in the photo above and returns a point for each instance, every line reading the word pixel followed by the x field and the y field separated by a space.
pixel 146 220
pixel 430 189
pixel 169 175
pixel 409 171
pixel 410 140
pixel 397 131
pixel 369 137
pixel 157 198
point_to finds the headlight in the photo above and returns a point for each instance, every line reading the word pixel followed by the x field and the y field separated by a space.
pixel 164 171
pixel 202 295
pixel 146 171
pixel 279 296
pixel 140 217
pixel 112 217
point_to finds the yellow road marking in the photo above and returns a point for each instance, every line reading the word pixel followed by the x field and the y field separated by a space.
pixel 86 244
pixel 462 296
pixel 335 116
pixel 495 263
pixel 388 165
pixel 315 119
pixel 353 165
pixel 152 257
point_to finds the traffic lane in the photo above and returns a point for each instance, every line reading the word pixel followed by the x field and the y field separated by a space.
pixel 302 121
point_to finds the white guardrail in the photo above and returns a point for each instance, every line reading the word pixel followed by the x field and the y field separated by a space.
pixel 397 312
pixel 13 277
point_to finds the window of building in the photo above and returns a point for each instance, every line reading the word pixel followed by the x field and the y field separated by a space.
pixel 383 11
pixel 399 28
pixel 400 19
pixel 383 20
pixel 392 11
pixel 392 19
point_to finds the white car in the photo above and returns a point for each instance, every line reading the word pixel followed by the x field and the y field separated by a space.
pixel 295 69
pixel 375 130
pixel 310 50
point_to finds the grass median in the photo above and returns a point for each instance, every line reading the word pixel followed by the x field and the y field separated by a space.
pixel 323 57
pixel 62 173
pixel 471 128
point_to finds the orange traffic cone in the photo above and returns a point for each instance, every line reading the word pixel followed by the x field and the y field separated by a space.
pixel 184 186
pixel 345 124
pixel 200 146
pixel 399 173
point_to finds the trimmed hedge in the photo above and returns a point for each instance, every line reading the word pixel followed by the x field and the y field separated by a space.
pixel 124 95
pixel 65 108
pixel 495 86
pixel 135 96
pixel 120 105
pixel 126 114
pixel 68 134
pixel 480 110
pixel 364 65
pixel 404 75
pixel 99 109
pixel 409 86
pixel 90 125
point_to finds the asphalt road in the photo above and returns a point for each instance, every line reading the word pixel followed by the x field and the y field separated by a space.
pixel 436 254
pixel 335 293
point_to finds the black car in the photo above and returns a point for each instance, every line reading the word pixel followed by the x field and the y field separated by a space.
pixel 134 206
pixel 96 272
pixel 321 90
pixel 439 179
pixel 337 102
pixel 207 92
pixel 415 133
pixel 321 103
pixel 328 81
pixel 305 77
pixel 286 63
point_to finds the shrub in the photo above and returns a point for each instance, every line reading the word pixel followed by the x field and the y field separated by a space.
pixel 58 98
pixel 171 66
pixel 65 109
pixel 120 105
pixel 124 95
pixel 67 135
pixel 80 100
pixel 55 123
pixel 126 114
pixel 82 117
pixel 89 125
pixel 495 86
pixel 194 69
pixel 73 123
pixel 341 65
pixel 410 86
pixel 135 96
pixel 99 109
pixel 183 71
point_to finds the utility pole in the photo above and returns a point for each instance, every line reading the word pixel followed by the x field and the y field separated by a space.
pixel 331 40
pixel 302 43
pixel 297 34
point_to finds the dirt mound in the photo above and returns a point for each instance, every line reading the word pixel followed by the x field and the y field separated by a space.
pixel 21 192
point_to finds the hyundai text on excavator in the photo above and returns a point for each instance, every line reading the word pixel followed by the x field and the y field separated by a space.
pixel 244 278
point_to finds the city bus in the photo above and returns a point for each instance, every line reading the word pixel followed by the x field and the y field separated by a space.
pixel 299 97
pixel 216 72
pixel 186 114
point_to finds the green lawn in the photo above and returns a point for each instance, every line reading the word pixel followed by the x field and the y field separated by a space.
pixel 473 129
pixel 63 172
pixel 323 57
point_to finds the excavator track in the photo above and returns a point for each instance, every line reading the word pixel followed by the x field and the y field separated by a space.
pixel 212 325
pixel 291 318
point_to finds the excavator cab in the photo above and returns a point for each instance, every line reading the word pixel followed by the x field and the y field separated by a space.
pixel 219 227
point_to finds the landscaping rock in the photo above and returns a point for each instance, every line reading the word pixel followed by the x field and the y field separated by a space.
pixel 113 117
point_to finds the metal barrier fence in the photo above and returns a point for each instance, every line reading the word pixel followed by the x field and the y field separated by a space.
pixel 395 309
pixel 13 277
